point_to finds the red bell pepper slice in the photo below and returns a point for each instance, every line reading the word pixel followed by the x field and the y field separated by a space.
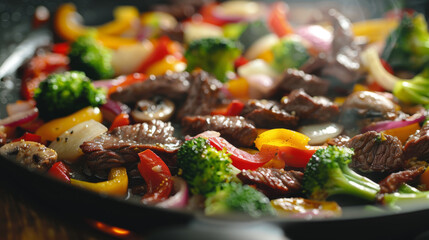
pixel 295 157
pixel 240 61
pixel 208 16
pixel 29 137
pixel 123 81
pixel 61 48
pixel 234 108
pixel 242 159
pixel 157 176
pixel 120 120
pixel 60 171
pixel 277 19
pixel 161 50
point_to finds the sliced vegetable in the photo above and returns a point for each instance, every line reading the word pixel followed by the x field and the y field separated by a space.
pixel 29 137
pixel 238 88
pixel 121 120
pixel 321 132
pixel 296 157
pixel 197 30
pixel 20 118
pixel 424 179
pixel 60 171
pixel 52 129
pixel 117 183
pixel 148 110
pixel 111 109
pixel 375 29
pixel 67 145
pixel 281 137
pixel 242 159
pixel 127 59
pixel 160 51
pixel 403 133
pixel 169 63
pixel 127 80
pixel 180 197
pixel 157 176
pixel 306 208
pixel 385 125
pixel 319 37
pixel 262 45
pixel 238 11
pixel 277 19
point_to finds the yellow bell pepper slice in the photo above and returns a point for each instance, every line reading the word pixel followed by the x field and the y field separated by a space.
pixel 169 63
pixel 67 26
pixel 306 207
pixel 117 183
pixel 281 137
pixel 124 16
pixel 374 30
pixel 239 88
pixel 54 128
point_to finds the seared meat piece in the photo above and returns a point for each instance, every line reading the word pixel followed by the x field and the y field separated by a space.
pixel 339 141
pixel 181 10
pixel 235 130
pixel 31 154
pixel 268 114
pixel 317 109
pixel 171 85
pixel 204 94
pixel 392 182
pixel 365 107
pixel 417 145
pixel 120 146
pixel 273 182
pixel 376 152
pixel 295 79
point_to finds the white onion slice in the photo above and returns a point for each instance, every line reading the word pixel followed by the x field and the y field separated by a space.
pixel 19 106
pixel 321 132
pixel 180 197
pixel 127 59
pixel 257 66
pixel 20 118
pixel 67 145
pixel 319 37
pixel 198 30
pixel 237 11
pixel 261 45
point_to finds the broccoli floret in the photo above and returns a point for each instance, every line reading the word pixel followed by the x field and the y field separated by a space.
pixel 214 55
pixel 203 166
pixel 89 56
pixel 64 93
pixel 407 47
pixel 237 198
pixel 289 53
pixel 327 173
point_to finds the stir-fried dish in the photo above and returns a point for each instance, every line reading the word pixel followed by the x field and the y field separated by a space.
pixel 229 108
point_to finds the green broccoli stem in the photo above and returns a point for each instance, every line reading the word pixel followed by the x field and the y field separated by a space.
pixel 353 176
pixel 354 187
pixel 397 198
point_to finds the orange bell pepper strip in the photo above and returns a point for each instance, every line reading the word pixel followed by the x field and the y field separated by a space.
pixel 67 26
pixel 277 19
pixel 124 17
pixel 402 133
pixel 117 183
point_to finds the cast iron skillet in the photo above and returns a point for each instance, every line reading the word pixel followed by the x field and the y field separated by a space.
pixel 357 222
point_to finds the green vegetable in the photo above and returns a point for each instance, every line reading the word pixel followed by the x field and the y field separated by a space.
pixel 407 47
pixel 289 53
pixel 405 195
pixel 238 198
pixel 328 174
pixel 89 56
pixel 214 55
pixel 254 31
pixel 203 167
pixel 415 90
pixel 65 93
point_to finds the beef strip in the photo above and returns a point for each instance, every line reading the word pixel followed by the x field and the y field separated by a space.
pixel 234 129
pixel 273 182
pixel 120 146
pixel 376 152
pixel 172 85
pixel 392 182
pixel 307 108
pixel 417 145
pixel 295 79
pixel 203 96
pixel 181 10
pixel 31 154
pixel 268 114
pixel 339 141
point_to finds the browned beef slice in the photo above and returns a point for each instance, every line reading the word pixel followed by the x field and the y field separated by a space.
pixel 273 182
pixel 392 182
pixel 120 146
pixel 304 106
pixel 268 114
pixel 204 94
pixel 295 79
pixel 235 129
pixel 30 154
pixel 171 85
pixel 417 145
pixel 375 152
pixel 339 141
